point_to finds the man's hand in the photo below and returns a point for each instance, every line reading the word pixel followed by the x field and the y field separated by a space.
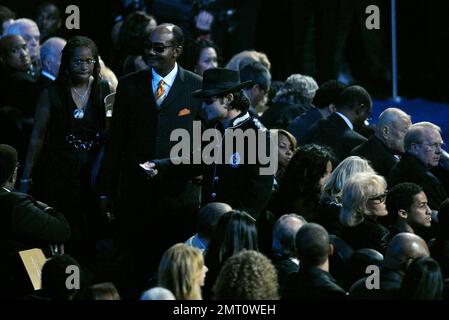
pixel 149 168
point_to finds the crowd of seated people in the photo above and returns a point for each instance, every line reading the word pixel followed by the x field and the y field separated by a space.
pixel 344 196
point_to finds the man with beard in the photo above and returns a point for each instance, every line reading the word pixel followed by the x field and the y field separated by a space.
pixel 149 105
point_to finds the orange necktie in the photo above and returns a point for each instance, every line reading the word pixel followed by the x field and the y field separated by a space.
pixel 159 96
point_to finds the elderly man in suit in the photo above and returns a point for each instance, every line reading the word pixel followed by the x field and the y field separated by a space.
pixel 149 106
pixel 337 131
pixel 423 146
pixel 387 143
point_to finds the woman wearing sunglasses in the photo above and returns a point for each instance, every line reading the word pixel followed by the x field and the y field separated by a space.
pixel 363 201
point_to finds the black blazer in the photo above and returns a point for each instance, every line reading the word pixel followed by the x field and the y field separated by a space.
pixel 410 169
pixel 26 225
pixel 335 133
pixel 379 156
pixel 140 131
pixel 312 284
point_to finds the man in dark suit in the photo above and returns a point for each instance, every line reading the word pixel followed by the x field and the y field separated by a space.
pixel 283 246
pixel 383 148
pixel 324 105
pixel 313 280
pixel 51 60
pixel 149 106
pixel 26 224
pixel 337 131
pixel 423 145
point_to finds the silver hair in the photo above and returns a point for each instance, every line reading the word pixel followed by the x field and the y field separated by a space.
pixel 297 87
pixel 415 132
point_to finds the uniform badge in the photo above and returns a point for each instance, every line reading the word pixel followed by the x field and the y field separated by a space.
pixel 235 160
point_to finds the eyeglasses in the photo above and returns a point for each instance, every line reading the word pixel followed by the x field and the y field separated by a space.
pixel 157 47
pixel 379 198
pixel 433 146
pixel 210 100
pixel 79 62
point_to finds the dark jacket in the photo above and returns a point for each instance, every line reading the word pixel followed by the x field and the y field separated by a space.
pixel 335 133
pixel 280 114
pixel 389 287
pixel 368 234
pixel 312 284
pixel 146 209
pixel 377 153
pixel 234 181
pixel 284 267
pixel 26 225
pixel 140 131
pixel 301 124
pixel 410 169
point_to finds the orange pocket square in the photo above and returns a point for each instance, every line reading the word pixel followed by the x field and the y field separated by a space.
pixel 184 112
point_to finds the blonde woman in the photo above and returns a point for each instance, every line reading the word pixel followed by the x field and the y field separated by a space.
pixel 363 202
pixel 331 192
pixel 182 271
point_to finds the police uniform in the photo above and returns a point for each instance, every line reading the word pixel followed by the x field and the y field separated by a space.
pixel 234 180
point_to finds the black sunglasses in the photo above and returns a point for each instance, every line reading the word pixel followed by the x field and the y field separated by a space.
pixel 210 100
pixel 157 47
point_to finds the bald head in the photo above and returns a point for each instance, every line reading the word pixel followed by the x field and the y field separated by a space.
pixel 51 55
pixel 209 216
pixel 178 35
pixel 312 244
pixel 157 293
pixel 391 128
pixel 284 232
pixel 403 249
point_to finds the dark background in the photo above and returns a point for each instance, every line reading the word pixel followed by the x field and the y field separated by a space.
pixel 302 37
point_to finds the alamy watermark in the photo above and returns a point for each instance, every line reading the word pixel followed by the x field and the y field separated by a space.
pixel 73 20
pixel 250 146
pixel 373 280
pixel 73 279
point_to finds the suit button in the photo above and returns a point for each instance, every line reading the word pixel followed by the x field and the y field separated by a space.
pixel 216 178
pixel 213 194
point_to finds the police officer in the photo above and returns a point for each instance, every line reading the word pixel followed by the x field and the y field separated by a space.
pixel 241 173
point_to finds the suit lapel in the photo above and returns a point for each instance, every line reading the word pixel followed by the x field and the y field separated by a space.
pixel 338 121
pixel 146 88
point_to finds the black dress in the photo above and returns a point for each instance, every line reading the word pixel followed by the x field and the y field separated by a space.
pixel 65 171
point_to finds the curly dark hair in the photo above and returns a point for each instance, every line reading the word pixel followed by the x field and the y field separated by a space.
pixel 248 275
pixel 240 101
pixel 302 175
